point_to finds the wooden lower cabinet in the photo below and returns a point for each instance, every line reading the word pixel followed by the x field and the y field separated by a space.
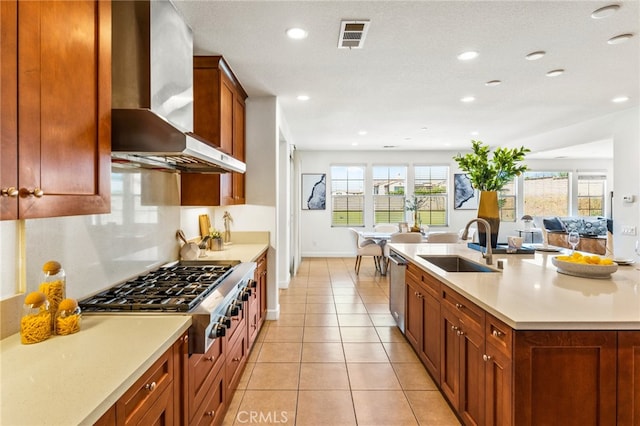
pixel 498 376
pixel 565 377
pixel 214 406
pixel 423 318
pixel 204 371
pixel 462 376
pixel 150 400
pixel 629 378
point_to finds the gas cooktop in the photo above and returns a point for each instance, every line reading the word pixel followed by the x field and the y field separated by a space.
pixel 173 288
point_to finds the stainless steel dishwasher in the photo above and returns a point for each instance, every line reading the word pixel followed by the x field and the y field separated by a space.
pixel 397 289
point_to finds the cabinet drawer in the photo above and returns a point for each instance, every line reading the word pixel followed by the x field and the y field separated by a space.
pixel 213 408
pixel 203 369
pixel 499 334
pixel 471 316
pixel 429 283
pixel 146 391
pixel 236 359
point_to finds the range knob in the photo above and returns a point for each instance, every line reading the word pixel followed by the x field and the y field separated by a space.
pixel 246 294
pixel 232 310
pixel 218 330
pixel 226 321
pixel 238 303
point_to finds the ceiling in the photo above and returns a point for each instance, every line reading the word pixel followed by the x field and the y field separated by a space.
pixel 403 88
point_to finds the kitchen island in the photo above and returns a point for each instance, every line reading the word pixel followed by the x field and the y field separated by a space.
pixel 526 345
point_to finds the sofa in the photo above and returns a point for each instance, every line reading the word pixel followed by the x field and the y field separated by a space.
pixel 593 232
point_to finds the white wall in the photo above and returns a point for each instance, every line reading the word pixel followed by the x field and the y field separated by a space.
pixel 319 239
pixel 626 147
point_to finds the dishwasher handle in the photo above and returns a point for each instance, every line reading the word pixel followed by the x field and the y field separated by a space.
pixel 397 259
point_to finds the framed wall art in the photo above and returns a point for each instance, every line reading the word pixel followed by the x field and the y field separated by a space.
pixel 314 191
pixel 465 197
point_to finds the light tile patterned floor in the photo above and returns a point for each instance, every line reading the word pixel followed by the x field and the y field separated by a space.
pixel 335 357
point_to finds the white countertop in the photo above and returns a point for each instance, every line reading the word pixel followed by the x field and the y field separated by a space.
pixel 241 252
pixel 74 379
pixel 529 294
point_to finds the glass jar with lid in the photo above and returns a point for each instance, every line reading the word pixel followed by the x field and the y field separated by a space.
pixel 53 285
pixel 35 324
pixel 68 317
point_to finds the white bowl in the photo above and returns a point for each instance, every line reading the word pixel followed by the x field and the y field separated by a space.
pixel 584 270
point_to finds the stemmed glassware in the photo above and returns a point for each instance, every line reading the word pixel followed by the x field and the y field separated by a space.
pixel 573 239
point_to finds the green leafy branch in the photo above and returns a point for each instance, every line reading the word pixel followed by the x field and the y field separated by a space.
pixel 491 174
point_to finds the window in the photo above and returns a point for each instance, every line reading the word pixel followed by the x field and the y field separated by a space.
pixel 388 194
pixel 347 195
pixel 546 193
pixel 431 183
pixel 591 190
pixel 507 202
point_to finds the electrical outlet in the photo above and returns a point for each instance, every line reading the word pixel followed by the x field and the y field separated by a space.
pixel 628 230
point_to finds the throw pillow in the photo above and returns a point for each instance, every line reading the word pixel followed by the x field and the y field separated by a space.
pixel 595 226
pixel 553 224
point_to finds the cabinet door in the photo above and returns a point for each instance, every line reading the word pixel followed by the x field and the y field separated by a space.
pixel 498 380
pixel 64 107
pixel 450 356
pixel 226 115
pixel 413 316
pixel 9 110
pixel 472 375
pixel 629 378
pixel 431 336
pixel 262 282
pixel 565 378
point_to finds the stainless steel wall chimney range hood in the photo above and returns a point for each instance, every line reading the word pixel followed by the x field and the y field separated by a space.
pixel 152 72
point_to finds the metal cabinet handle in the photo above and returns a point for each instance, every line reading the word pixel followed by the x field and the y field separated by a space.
pixel 459 306
pixel 497 333
pixel 486 357
pixel 460 333
pixel 150 386
pixel 236 359
pixel 35 192
pixel 209 358
pixel 9 192
pixel 210 413
pixel 454 328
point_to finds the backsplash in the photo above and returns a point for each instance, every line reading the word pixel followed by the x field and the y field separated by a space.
pixel 98 250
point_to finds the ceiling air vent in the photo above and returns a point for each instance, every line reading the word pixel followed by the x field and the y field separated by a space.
pixel 353 33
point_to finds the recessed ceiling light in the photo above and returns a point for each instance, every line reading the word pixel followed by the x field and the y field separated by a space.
pixel 619 38
pixel 467 56
pixel 620 99
pixel 354 143
pixel 492 83
pixel 555 73
pixel 296 33
pixel 362 132
pixel 467 99
pixel 605 12
pixel 475 133
pixel 303 97
pixel 424 129
pixel 534 56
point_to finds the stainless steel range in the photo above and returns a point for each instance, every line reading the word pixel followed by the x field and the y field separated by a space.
pixel 211 292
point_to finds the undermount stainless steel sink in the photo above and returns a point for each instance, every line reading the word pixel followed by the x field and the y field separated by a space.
pixel 457 264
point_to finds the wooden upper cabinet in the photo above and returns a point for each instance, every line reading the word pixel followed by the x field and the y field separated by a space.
pixel 58 75
pixel 219 117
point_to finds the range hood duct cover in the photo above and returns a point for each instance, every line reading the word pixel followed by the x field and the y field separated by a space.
pixel 152 72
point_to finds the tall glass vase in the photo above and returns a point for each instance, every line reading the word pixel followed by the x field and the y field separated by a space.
pixel 488 210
